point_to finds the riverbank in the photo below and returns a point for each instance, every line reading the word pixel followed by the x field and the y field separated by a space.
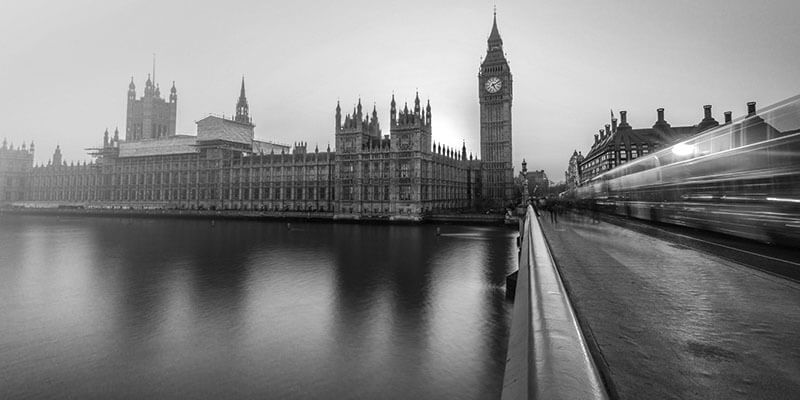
pixel 455 219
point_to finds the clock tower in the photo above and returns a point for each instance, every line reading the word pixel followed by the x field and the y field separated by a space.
pixel 495 93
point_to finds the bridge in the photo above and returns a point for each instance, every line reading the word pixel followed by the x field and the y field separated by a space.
pixel 614 307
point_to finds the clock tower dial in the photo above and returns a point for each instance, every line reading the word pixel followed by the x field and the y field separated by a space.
pixel 495 90
pixel 493 84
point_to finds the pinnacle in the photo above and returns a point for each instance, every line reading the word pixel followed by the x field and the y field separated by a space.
pixel 494 36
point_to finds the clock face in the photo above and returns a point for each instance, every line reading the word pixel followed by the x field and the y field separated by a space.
pixel 493 84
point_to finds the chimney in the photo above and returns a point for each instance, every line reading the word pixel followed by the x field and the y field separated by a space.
pixel 660 113
pixel 728 117
pixel 596 138
pixel 707 111
pixel 608 130
pixel 751 108
pixel 613 124
pixel 624 116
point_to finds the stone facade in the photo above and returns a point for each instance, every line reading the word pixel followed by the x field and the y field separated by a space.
pixel 399 176
pixel 572 176
pixel 403 175
pixel 150 117
pixel 15 167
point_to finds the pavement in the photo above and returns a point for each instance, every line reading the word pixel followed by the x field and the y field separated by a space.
pixel 667 321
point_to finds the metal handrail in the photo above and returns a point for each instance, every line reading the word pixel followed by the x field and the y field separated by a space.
pixel 547 354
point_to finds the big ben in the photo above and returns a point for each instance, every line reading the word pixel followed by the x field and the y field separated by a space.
pixel 495 93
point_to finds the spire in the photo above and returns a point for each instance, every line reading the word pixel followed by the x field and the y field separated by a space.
pixel 338 118
pixel 57 156
pixel 428 111
pixel 173 93
pixel 131 91
pixel 416 105
pixel 495 42
pixel 393 111
pixel 242 108
pixel 116 135
pixel 148 86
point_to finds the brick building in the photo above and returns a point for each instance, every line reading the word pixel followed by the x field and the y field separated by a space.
pixel 618 144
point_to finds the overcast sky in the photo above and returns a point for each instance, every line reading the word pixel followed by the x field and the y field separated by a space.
pixel 65 66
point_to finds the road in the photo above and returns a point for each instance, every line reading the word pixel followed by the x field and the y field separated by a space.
pixel 672 317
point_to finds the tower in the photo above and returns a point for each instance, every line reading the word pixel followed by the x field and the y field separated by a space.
pixel 57 156
pixel 150 117
pixel 495 94
pixel 242 109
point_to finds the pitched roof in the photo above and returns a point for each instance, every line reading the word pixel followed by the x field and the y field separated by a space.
pixel 216 128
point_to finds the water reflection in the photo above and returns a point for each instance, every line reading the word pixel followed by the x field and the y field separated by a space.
pixel 141 308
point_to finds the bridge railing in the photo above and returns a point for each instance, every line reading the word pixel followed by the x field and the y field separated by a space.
pixel 547 354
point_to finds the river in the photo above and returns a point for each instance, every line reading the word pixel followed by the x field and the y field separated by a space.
pixel 164 308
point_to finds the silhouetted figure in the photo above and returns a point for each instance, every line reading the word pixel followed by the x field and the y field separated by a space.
pixel 553 213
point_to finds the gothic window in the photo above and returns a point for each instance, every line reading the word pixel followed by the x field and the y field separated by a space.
pixel 405 143
pixel 405 192
pixel 404 168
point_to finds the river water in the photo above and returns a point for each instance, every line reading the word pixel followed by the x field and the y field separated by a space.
pixel 159 308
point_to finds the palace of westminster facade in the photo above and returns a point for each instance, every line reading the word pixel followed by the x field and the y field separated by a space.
pixel 402 175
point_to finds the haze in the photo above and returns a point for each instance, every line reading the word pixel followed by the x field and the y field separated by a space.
pixel 66 65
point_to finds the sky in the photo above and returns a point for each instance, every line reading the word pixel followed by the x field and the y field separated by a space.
pixel 65 66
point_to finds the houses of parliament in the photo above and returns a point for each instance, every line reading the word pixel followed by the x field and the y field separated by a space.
pixel 402 175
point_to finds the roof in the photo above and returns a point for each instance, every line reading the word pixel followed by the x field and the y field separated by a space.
pixel 267 147
pixel 179 144
pixel 217 128
pixel 495 35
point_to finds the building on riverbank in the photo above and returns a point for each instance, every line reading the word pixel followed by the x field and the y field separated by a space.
pixel 403 175
pixel 224 167
pixel 15 167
